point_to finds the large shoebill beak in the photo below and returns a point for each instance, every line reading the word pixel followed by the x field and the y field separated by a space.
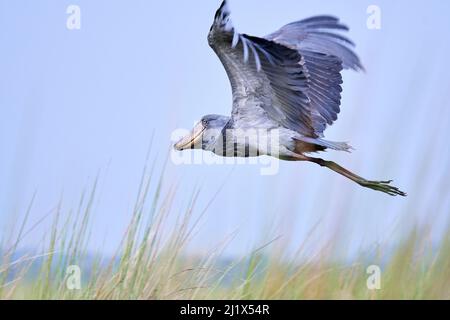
pixel 192 139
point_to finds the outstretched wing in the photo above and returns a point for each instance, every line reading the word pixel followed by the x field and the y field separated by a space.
pixel 325 53
pixel 267 78
pixel 297 87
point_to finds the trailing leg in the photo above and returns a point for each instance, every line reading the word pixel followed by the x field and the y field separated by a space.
pixel 383 186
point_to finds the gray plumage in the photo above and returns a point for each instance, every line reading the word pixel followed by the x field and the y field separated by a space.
pixel 289 82
pixel 295 72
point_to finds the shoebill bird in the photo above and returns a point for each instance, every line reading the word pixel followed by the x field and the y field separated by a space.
pixel 288 82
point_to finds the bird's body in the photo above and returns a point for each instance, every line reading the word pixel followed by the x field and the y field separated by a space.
pixel 286 90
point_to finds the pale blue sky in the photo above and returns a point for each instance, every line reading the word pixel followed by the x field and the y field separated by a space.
pixel 75 103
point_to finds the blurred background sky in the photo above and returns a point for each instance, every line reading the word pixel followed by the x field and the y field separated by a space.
pixel 78 103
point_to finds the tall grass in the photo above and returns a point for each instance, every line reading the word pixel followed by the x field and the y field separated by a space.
pixel 151 262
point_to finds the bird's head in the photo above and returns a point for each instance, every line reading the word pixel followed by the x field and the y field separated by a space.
pixel 205 133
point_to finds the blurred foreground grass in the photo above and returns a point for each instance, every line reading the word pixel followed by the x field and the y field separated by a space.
pixel 151 263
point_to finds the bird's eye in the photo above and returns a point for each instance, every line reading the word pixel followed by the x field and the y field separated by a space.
pixel 205 122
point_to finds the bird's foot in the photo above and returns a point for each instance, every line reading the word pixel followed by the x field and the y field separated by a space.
pixel 383 186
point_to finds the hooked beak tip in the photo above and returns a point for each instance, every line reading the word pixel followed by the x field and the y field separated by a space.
pixel 177 147
pixel 190 140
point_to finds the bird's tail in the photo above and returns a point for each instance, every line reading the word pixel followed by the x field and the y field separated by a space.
pixel 338 146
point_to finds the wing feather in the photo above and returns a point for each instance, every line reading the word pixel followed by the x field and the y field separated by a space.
pixel 293 75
